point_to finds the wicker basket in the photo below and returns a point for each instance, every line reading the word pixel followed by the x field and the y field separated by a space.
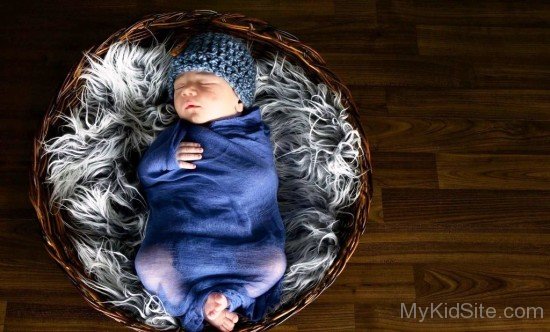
pixel 178 26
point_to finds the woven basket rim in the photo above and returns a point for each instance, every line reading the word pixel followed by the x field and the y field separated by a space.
pixel 56 235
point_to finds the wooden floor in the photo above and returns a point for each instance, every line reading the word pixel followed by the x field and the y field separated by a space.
pixel 454 99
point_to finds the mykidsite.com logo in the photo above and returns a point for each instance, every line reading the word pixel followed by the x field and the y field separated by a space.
pixel 467 311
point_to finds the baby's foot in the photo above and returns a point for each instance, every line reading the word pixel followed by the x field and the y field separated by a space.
pixel 216 313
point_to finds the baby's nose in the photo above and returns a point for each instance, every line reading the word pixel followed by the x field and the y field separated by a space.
pixel 187 91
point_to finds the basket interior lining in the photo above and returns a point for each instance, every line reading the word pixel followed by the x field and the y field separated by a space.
pixel 123 107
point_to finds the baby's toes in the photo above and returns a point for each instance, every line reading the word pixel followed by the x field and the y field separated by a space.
pixel 212 314
pixel 220 301
pixel 233 317
pixel 228 324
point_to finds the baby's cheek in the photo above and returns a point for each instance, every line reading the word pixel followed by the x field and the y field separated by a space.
pixel 178 105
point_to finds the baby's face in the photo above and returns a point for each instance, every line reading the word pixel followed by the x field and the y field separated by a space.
pixel 211 97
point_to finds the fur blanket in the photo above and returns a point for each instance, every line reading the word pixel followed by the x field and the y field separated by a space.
pixel 92 169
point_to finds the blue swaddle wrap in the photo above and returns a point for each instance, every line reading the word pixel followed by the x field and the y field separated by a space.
pixel 220 222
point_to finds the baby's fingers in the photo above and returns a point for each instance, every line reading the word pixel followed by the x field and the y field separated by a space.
pixel 188 156
pixel 186 165
pixel 189 144
pixel 185 153
pixel 189 149
pixel 183 157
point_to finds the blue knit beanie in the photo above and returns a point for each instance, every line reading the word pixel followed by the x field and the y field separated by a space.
pixel 222 55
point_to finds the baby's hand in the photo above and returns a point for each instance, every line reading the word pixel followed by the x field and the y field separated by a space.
pixel 188 151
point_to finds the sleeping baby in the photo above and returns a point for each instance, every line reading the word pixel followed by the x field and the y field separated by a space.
pixel 214 241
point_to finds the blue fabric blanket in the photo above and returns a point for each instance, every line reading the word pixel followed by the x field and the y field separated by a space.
pixel 220 221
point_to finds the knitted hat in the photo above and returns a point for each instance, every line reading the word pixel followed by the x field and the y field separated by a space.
pixel 222 55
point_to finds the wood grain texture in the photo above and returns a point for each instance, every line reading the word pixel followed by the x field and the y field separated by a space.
pixel 454 99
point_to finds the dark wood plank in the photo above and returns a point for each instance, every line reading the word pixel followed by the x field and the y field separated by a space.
pixel 467 210
pixel 393 169
pixel 493 171
pixel 410 170
pixel 424 71
pixel 371 100
pixel 327 317
pixel 334 35
pixel 2 315
pixel 404 134
pixel 510 73
pixel 414 245
pixel 15 203
pixel 488 284
pixel 483 41
pixel 21 316
pixel 372 283
pixel 400 70
pixel 497 104
pixel 376 210
pixel 287 326
pixel 489 13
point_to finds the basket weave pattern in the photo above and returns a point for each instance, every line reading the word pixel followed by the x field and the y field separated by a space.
pixel 181 25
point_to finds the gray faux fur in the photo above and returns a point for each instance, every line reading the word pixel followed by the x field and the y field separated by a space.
pixel 92 168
